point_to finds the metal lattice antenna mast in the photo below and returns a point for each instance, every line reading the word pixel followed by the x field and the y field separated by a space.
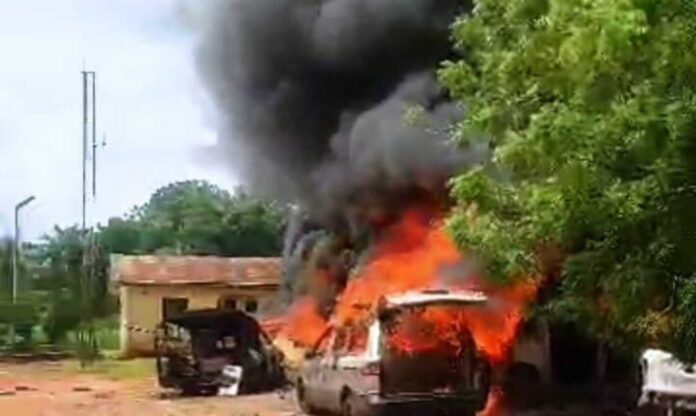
pixel 89 119
pixel 94 134
pixel 89 127
pixel 84 150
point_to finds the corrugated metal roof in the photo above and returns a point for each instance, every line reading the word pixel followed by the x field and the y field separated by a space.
pixel 196 270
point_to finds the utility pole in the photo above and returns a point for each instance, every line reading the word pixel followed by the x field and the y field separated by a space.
pixel 84 150
pixel 89 128
pixel 15 256
pixel 94 135
pixel 89 88
pixel 15 252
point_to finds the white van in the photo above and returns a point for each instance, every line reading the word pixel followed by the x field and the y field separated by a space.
pixel 381 380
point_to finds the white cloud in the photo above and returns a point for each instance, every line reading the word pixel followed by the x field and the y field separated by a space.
pixel 150 106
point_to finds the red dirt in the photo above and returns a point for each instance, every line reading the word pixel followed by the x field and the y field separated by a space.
pixel 45 389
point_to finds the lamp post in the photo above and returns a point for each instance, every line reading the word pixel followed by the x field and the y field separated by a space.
pixel 15 255
pixel 15 251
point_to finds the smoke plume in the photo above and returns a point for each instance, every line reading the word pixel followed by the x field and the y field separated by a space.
pixel 332 104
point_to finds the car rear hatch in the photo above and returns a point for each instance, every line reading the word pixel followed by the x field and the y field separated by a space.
pixel 429 371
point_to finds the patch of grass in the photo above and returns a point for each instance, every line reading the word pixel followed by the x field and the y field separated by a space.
pixel 106 334
pixel 135 369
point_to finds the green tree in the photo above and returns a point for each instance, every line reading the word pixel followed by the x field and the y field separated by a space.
pixel 192 217
pixel 590 108
pixel 5 268
pixel 121 235
pixel 251 226
pixel 71 299
pixel 195 217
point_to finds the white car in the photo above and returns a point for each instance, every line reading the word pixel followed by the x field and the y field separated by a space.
pixel 379 380
pixel 667 382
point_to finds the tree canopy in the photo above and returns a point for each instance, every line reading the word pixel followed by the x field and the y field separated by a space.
pixel 195 217
pixel 191 217
pixel 590 108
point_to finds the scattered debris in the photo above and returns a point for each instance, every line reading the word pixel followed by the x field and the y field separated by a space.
pixel 231 379
pixel 104 395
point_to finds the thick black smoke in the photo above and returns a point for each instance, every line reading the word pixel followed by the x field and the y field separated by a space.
pixel 322 100
pixel 332 105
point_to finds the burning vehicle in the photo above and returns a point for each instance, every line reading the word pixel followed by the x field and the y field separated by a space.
pixel 194 348
pixel 374 373
pixel 413 327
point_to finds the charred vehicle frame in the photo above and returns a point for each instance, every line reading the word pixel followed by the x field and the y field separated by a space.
pixel 194 347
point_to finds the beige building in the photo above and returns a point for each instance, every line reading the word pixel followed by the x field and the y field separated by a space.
pixel 154 287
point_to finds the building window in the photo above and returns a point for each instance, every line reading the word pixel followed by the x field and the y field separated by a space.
pixel 251 306
pixel 229 303
pixel 173 306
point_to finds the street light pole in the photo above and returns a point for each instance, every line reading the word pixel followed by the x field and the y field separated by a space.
pixel 15 260
pixel 15 251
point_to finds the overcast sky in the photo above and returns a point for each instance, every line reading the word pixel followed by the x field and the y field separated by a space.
pixel 151 106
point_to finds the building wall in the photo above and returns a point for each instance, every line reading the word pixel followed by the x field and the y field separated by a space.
pixel 141 309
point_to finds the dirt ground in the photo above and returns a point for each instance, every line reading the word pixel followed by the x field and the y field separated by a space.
pixel 129 388
pixel 62 389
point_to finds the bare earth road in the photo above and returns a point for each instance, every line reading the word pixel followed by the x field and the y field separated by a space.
pixel 59 389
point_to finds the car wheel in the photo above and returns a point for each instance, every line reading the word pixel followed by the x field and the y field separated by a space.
pixel 348 406
pixel 190 390
pixel 208 391
pixel 301 396
pixel 351 405
pixel 483 384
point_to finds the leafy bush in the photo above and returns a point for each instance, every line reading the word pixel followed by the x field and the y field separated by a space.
pixel 590 108
pixel 63 315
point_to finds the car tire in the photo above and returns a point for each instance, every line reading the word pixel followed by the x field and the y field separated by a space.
pixel 208 391
pixel 301 399
pixel 352 405
pixel 348 405
pixel 484 377
pixel 194 390
pixel 189 390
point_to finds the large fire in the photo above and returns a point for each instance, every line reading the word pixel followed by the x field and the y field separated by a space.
pixel 303 324
pixel 413 254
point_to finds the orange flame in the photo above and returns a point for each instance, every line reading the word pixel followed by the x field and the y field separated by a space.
pixel 273 326
pixel 409 256
pixel 303 324
pixel 412 255
pixel 495 326
pixel 494 405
